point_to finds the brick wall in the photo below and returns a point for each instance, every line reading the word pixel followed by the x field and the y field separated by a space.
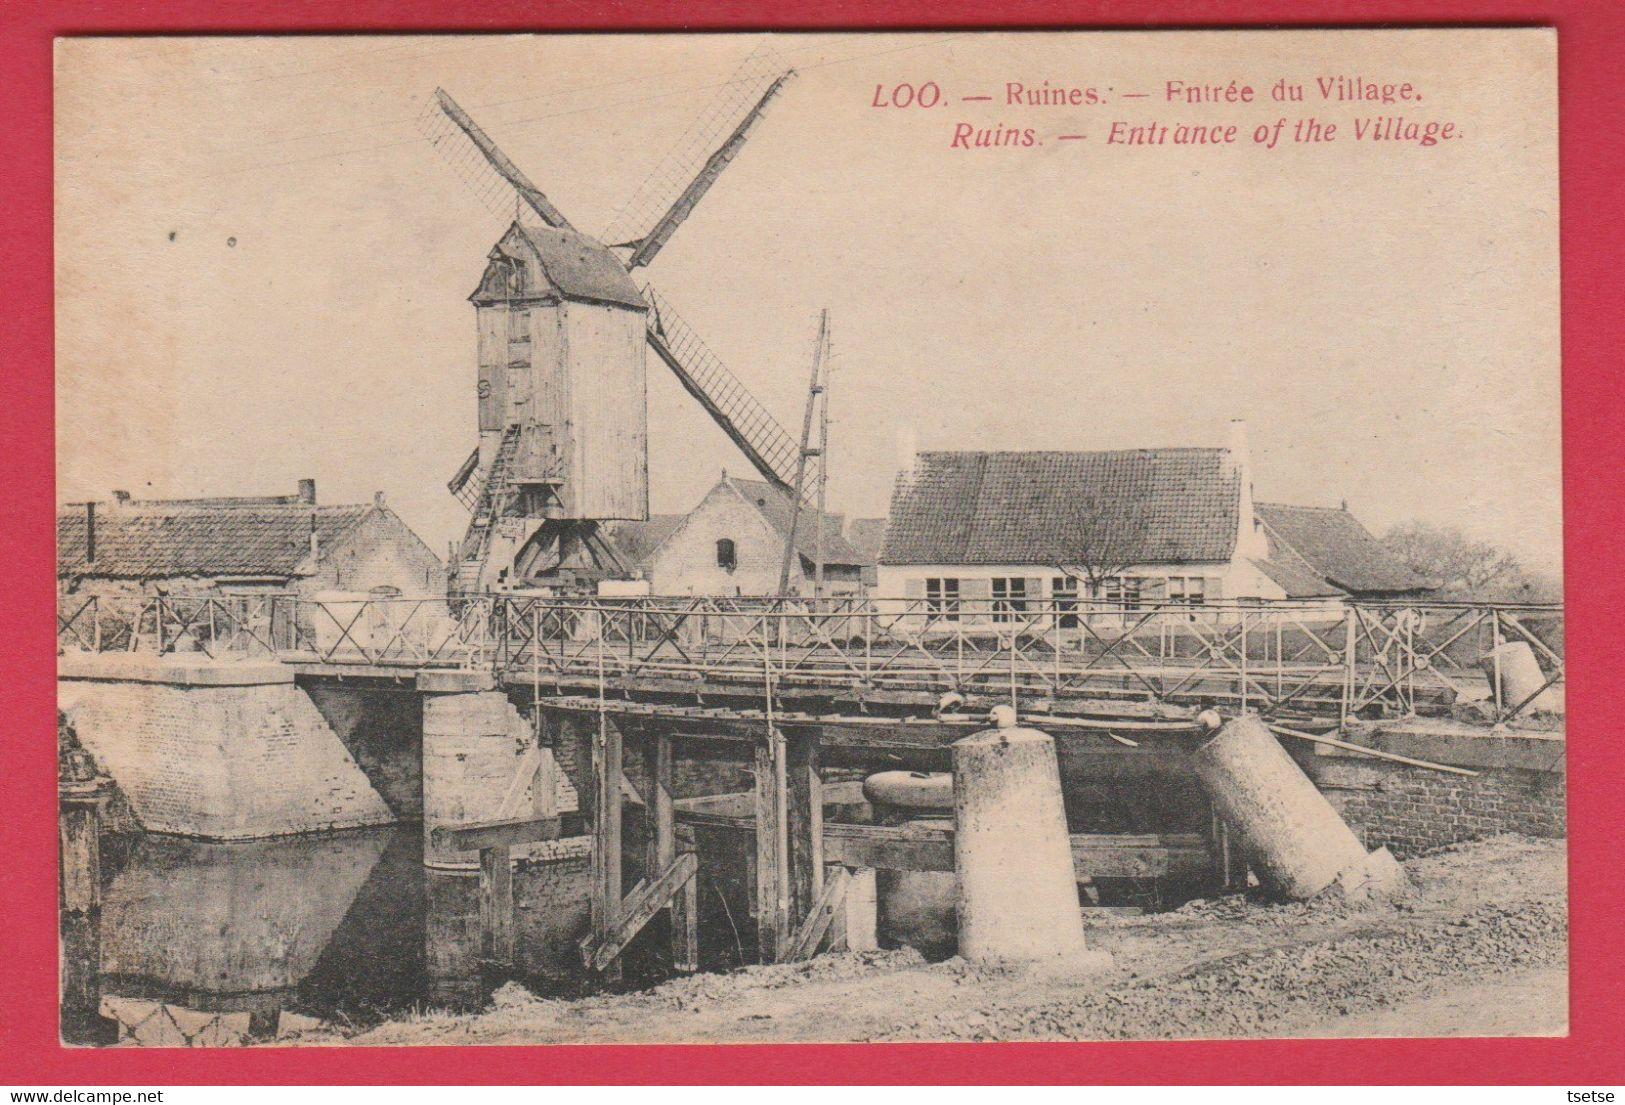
pixel 1411 810
pixel 381 552
pixel 222 762
pixel 382 729
pixel 475 745
pixel 699 768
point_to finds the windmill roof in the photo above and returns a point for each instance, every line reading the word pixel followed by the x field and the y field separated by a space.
pixel 159 539
pixel 775 507
pixel 1333 544
pixel 573 265
pixel 1178 506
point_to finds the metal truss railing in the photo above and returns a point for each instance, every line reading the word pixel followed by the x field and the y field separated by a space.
pixel 1277 658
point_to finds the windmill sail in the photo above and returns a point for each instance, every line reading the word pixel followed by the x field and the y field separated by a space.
pixel 651 243
pixel 692 163
pixel 748 424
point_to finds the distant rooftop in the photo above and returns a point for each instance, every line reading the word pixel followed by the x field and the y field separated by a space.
pixel 252 536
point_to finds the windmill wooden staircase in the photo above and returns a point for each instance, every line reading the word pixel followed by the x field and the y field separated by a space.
pixel 488 508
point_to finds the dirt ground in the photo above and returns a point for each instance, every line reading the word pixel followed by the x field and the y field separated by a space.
pixel 1476 946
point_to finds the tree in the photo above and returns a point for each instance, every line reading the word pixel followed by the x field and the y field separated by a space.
pixel 1463 567
pixel 1104 536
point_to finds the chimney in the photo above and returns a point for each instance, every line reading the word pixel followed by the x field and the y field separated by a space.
pixel 1236 443
pixel 908 448
pixel 122 498
pixel 315 543
pixel 90 533
pixel 1251 541
pixel 307 491
pixel 378 499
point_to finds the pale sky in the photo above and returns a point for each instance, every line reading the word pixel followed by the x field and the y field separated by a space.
pixel 263 267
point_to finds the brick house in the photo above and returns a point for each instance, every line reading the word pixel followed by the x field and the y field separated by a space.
pixel 986 533
pixel 1332 548
pixel 732 543
pixel 130 551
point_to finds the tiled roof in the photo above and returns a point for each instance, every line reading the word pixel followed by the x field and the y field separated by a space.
pixel 866 535
pixel 1336 547
pixel 1149 506
pixel 575 266
pixel 636 540
pixel 197 538
pixel 1291 576
pixel 775 507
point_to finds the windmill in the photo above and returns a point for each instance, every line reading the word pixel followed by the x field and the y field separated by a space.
pixel 562 331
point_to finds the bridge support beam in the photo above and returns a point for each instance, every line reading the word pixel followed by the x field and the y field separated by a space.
pixel 472 755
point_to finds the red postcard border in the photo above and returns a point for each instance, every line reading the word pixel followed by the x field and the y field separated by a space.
pixel 1591 43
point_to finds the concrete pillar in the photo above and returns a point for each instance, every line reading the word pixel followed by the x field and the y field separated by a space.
pixel 470 757
pixel 1520 675
pixel 1018 896
pixel 1293 838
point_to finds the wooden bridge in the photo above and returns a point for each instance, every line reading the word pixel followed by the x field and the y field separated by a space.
pixel 796 689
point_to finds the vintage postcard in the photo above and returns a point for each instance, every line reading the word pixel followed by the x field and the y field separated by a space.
pixel 838 537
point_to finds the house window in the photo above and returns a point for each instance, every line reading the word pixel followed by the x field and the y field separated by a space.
pixel 1122 591
pixel 727 559
pixel 1064 590
pixel 1009 597
pixel 942 597
pixel 1189 590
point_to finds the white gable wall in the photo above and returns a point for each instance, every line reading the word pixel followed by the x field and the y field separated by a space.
pixel 686 562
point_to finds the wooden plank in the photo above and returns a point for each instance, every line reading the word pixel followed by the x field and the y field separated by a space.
pixel 856 924
pixel 658 812
pixel 599 953
pixel 888 848
pixel 496 906
pixel 772 896
pixel 685 910
pixel 605 906
pixel 80 865
pixel 509 833
pixel 806 814
pixel 663 850
pixel 831 900
pixel 1102 855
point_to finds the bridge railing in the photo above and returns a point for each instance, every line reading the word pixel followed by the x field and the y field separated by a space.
pixel 1371 659
pixel 418 632
pixel 1365 659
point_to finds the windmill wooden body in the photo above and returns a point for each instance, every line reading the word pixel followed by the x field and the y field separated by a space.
pixel 561 384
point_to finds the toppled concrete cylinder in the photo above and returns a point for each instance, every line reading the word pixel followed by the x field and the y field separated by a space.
pixel 1018 896
pixel 1293 838
pixel 1521 677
